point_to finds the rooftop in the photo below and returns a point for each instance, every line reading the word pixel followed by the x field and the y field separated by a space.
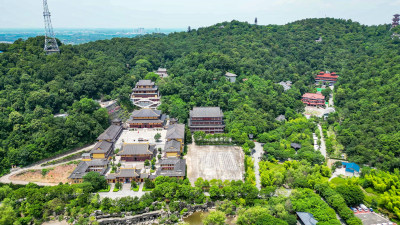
pixel 230 74
pixel 162 69
pixel 307 218
pixel 313 95
pixel 145 83
pixel 82 169
pixel 179 169
pixel 146 113
pixel 136 149
pixel 176 131
pixel 350 167
pixel 101 147
pixel 172 146
pixel 110 133
pixel 206 112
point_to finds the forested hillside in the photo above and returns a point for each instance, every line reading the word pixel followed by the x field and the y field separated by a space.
pixel 34 87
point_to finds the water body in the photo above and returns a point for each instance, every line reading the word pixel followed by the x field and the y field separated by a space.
pixel 79 36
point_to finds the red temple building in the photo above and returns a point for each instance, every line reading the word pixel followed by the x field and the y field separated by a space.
pixel 207 119
pixel 313 99
pixel 326 77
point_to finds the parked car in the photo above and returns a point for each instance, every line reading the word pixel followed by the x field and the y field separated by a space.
pixel 366 210
pixel 354 210
pixel 359 209
pixel 370 209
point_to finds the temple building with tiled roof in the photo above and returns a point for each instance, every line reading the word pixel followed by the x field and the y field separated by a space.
pixel 145 94
pixel 97 165
pixel 147 118
pixel 132 152
pixel 172 167
pixel 313 99
pixel 326 77
pixel 207 119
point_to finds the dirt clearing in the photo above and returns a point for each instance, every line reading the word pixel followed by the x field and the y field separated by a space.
pixel 53 175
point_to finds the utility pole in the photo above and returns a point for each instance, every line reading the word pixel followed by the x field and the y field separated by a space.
pixel 255 21
pixel 50 43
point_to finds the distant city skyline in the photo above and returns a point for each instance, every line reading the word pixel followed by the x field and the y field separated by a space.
pixel 182 13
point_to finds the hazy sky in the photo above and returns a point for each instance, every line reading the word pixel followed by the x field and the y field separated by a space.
pixel 183 13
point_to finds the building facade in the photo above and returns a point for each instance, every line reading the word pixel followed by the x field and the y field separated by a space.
pixel 231 77
pixel 102 150
pixel 207 119
pixel 162 72
pixel 313 99
pixel 98 165
pixel 145 94
pixel 172 167
pixel 133 152
pixel 326 77
pixel 146 118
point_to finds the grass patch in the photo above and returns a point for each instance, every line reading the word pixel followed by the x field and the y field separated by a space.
pixel 338 181
pixel 135 189
pixel 65 158
pixel 116 190
pixel 46 171
pixel 147 189
pixel 107 189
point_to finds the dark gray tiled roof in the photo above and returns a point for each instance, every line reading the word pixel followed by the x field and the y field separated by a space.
pixel 127 173
pixel 146 113
pixel 101 147
pixel 111 133
pixel 144 121
pixel 179 168
pixel 145 82
pixel 295 145
pixel 172 146
pixel 136 149
pixel 307 218
pixel 280 118
pixel 82 169
pixel 144 175
pixel 206 112
pixel 176 131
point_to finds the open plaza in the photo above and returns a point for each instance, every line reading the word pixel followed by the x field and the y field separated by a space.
pixel 215 162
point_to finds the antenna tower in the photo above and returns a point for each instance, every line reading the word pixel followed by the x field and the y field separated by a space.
pixel 50 43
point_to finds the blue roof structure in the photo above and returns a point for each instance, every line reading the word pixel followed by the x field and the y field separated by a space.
pixel 351 167
pixel 307 218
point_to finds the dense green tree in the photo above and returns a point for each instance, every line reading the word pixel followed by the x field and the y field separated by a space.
pixel 352 194
pixel 97 181
pixel 215 218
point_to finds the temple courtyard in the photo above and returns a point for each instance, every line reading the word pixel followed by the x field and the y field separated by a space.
pixel 215 162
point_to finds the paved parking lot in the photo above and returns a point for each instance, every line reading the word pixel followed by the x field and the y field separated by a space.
pixel 215 162
pixel 372 218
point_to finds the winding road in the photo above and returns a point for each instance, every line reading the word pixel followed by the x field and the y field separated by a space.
pixel 6 178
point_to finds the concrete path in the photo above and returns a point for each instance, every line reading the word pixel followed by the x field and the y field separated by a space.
pixel 6 178
pixel 322 148
pixel 124 192
pixel 256 156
